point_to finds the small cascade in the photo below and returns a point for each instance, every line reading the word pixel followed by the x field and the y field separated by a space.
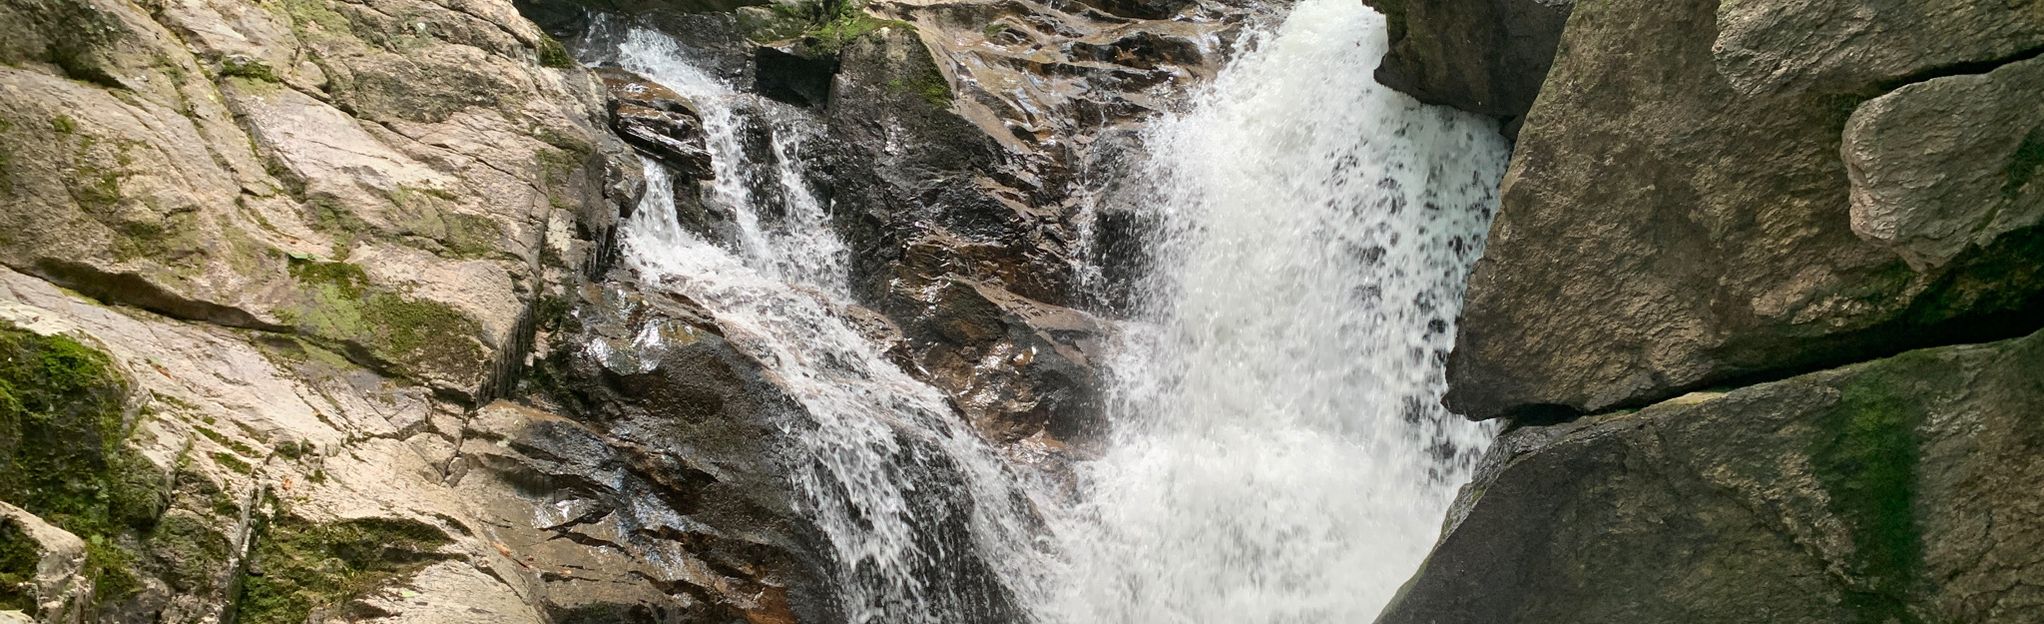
pixel 1280 454
pixel 918 514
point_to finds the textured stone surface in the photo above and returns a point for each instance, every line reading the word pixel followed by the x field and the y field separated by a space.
pixel 60 593
pixel 1897 490
pixel 1484 56
pixel 386 178
pixel 1662 231
pixel 1947 164
pixel 1855 45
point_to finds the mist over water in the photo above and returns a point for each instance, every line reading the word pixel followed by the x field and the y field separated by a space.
pixel 1280 454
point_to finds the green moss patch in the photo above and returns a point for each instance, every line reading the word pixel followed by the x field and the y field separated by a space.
pixel 18 559
pixel 823 26
pixel 253 69
pixel 191 554
pixel 63 452
pixel 1866 459
pixel 552 53
pixel 927 83
pixel 411 334
pixel 299 566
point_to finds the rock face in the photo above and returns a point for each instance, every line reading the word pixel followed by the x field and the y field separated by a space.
pixel 1941 166
pixel 1890 491
pixel 1801 237
pixel 1482 56
pixel 379 177
pixel 973 244
pixel 1667 225
pixel 263 262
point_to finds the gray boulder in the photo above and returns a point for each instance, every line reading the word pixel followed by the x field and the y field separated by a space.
pixel 1662 230
pixel 1897 490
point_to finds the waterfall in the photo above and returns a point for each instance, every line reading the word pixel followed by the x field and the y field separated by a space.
pixel 910 501
pixel 1280 454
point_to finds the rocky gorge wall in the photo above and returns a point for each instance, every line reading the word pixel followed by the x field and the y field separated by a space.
pixel 1759 308
pixel 312 309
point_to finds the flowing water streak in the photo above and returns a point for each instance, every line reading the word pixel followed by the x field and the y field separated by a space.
pixel 1280 455
pixel 799 245
pixel 910 501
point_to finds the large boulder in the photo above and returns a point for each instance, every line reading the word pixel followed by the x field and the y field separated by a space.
pixel 1857 46
pixel 1482 56
pixel 1897 490
pixel 1945 165
pixel 1663 229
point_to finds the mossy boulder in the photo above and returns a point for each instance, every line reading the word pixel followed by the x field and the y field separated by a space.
pixel 1894 491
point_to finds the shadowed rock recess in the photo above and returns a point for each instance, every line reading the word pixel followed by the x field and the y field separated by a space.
pixel 1760 310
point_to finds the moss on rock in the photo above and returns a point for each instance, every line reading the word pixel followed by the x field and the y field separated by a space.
pixel 1867 459
pixel 412 335
pixel 300 566
pixel 18 559
pixel 63 452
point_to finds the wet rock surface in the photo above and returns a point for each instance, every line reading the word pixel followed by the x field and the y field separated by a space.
pixel 658 121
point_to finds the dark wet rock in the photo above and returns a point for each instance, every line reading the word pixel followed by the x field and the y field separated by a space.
pixel 1896 490
pixel 1018 367
pixel 786 74
pixel 1662 230
pixel 664 476
pixel 1483 56
pixel 659 122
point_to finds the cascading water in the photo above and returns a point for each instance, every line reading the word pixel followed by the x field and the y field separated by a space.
pixel 1280 454
pixel 909 501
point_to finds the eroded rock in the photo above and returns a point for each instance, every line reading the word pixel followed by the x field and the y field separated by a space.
pixel 658 121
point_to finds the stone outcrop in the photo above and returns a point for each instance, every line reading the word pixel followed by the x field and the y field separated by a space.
pixel 1897 490
pixel 1668 226
pixel 1482 56
pixel 972 243
pixel 658 121
pixel 261 263
pixel 385 178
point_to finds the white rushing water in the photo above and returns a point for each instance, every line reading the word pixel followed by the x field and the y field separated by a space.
pixel 886 472
pixel 1280 454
